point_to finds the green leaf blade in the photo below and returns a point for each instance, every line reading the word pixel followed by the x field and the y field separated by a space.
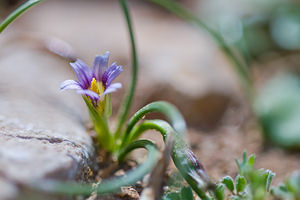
pixel 20 10
pixel 241 183
pixel 124 109
pixel 171 196
pixel 228 182
pixel 220 192
pixel 269 179
pixel 186 193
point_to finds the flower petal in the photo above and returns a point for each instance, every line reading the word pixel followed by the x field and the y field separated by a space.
pixel 100 64
pixel 83 73
pixel 93 95
pixel 110 74
pixel 112 88
pixel 70 85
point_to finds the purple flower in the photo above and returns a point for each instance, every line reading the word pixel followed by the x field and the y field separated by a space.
pixel 96 82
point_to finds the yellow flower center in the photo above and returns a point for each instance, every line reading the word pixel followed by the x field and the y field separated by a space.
pixel 97 87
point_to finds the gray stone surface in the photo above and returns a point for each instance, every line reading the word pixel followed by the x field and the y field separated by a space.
pixel 42 133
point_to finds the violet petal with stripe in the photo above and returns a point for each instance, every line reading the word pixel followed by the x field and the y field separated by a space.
pixel 112 88
pixel 83 73
pixel 70 85
pixel 100 65
pixel 110 74
pixel 93 95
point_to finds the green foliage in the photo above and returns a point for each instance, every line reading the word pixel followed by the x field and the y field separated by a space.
pixel 220 192
pixel 184 194
pixel 171 196
pixel 278 109
pixel 228 182
pixel 249 183
pixel 246 164
pixel 289 190
pixel 241 184
pixel 285 18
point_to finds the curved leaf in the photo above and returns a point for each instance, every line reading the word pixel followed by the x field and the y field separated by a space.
pixel 184 159
pixel 106 186
pixel 10 18
pixel 124 109
pixel 165 108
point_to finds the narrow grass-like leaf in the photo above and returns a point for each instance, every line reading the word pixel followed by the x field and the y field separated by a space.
pixel 107 186
pixel 165 108
pixel 186 15
pixel 11 17
pixel 124 109
pixel 134 145
pixel 159 125
pixel 185 161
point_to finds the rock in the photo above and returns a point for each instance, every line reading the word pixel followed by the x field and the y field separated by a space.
pixel 178 62
pixel 42 130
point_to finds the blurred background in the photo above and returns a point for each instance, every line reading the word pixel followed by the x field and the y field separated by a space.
pixel 182 64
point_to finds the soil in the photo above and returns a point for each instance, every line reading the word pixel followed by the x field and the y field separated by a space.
pixel 217 150
pixel 239 132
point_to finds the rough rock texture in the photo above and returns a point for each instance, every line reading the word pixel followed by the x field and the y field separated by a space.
pixel 176 59
pixel 42 134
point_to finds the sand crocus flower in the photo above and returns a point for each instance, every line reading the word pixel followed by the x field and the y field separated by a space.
pixel 95 83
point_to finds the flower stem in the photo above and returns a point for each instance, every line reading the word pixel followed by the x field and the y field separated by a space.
pixel 104 137
pixel 124 109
